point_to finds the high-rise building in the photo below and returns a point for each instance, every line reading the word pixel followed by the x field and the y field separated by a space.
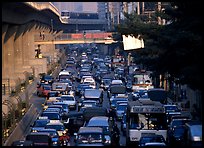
pixel 115 13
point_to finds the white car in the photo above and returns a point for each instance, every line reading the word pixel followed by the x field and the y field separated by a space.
pixel 70 100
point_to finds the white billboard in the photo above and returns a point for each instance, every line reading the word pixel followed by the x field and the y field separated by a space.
pixel 130 42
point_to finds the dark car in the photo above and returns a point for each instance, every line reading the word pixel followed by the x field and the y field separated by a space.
pixel 46 78
pixel 75 120
pixel 90 112
pixel 151 140
pixel 90 136
pixel 40 123
pixel 177 136
pixel 40 139
pixel 22 143
pixel 53 133
pixel 103 122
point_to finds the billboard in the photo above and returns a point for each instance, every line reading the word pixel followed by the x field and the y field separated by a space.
pixel 130 42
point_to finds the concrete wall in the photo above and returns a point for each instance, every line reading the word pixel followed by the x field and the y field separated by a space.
pixel 18 55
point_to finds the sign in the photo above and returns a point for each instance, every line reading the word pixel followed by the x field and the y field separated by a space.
pixel 130 42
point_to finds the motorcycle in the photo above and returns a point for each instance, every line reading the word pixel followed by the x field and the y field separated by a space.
pixel 64 143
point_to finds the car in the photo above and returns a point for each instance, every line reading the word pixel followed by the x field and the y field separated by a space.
pixel 74 121
pixel 70 100
pixel 113 103
pixel 87 103
pixel 90 136
pixel 39 139
pixel 90 112
pixel 51 115
pixel 103 122
pixel 120 110
pixel 40 123
pixel 53 133
pixel 194 132
pixel 151 139
pixel 79 88
pixel 105 83
pixel 46 78
pixel 177 136
pixel 58 126
pixel 22 143
pixel 53 94
pixel 40 88
pixel 65 108
pixel 171 110
pixel 177 122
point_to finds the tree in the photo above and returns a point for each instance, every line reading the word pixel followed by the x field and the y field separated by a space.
pixel 174 48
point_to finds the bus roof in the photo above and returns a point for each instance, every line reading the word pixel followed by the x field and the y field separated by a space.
pixel 145 106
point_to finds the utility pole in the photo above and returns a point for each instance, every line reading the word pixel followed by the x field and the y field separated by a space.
pixel 143 7
pixel 159 10
pixel 138 8
pixel 125 7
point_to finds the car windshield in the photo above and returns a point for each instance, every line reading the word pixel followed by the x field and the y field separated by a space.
pixel 57 127
pixel 121 107
pixel 40 123
pixel 171 108
pixel 67 98
pixel 90 138
pixel 151 139
pixel 178 122
pixel 51 116
pixel 179 131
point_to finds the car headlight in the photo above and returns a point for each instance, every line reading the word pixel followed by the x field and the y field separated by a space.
pixel 107 139
pixel 55 143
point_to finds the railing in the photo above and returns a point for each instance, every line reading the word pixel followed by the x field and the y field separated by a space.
pixel 5 86
pixel 75 36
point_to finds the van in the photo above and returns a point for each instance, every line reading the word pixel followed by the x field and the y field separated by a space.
pixel 193 133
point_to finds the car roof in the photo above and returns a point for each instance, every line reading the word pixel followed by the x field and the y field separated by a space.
pixel 98 121
pixel 90 130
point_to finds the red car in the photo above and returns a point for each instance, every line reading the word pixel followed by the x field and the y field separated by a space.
pixel 45 90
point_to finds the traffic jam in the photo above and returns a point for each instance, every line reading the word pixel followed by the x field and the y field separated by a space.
pixel 96 101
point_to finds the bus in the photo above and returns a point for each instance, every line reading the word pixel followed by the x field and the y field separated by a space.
pixel 145 116
pixel 65 15
pixel 141 80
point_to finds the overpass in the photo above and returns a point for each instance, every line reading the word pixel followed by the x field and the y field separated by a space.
pixel 21 23
pixel 77 38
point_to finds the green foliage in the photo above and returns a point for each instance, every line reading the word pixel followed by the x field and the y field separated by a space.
pixel 173 48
